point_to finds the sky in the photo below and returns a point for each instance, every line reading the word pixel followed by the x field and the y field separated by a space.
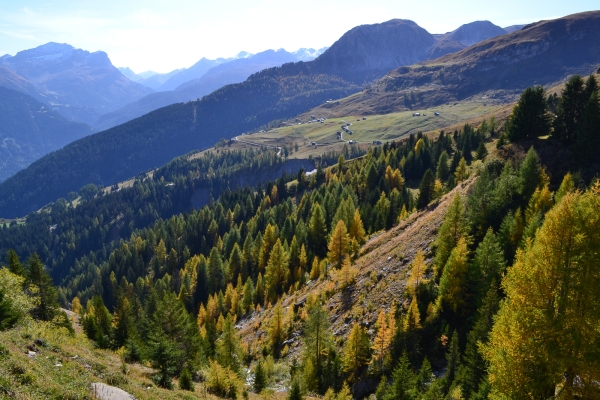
pixel 166 35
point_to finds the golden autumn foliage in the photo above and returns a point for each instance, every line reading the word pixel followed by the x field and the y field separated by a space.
pixel 417 275
pixel 545 339
pixel 383 341
pixel 356 353
pixel 339 244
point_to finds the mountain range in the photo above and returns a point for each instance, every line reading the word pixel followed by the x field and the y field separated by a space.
pixel 210 76
pixel 78 84
pixel 358 58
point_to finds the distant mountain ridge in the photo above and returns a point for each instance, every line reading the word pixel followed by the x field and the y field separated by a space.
pixel 29 130
pixel 78 84
pixel 224 73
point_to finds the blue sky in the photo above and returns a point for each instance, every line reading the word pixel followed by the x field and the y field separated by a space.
pixel 164 35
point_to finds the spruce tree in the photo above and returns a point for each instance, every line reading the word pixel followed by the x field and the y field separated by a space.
pixel 529 118
pixel 260 377
pixel 8 315
pixel 14 264
pixel 570 111
pixel 588 136
pixel 46 297
pixel 425 189
pixel 318 231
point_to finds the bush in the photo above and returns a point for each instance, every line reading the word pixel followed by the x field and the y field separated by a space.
pixel 221 382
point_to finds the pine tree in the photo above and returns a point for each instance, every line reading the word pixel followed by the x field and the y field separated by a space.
pixel 442 170
pixel 426 190
pixel 588 136
pixel 339 244
pixel 235 262
pixel 216 274
pixel 295 393
pixel 260 377
pixel 277 272
pixel 453 362
pixel 318 231
pixel 356 353
pixel 8 315
pixel 185 380
pixel 541 337
pixel 14 264
pixel 403 381
pixel 570 111
pixel 46 297
pixel 529 118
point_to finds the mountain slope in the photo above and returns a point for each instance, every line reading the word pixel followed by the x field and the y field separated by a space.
pixel 226 73
pixel 493 71
pixel 193 72
pixel 29 130
pixel 78 84
pixel 150 141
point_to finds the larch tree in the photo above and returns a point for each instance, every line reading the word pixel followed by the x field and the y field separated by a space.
pixel 229 350
pixel 417 275
pixel 545 338
pixel 383 341
pixel 317 339
pixel 277 330
pixel 277 272
pixel 339 244
pixel 453 228
pixel 356 352
pixel 453 283
pixel 357 229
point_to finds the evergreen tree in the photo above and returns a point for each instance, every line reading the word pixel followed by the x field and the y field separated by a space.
pixel 185 380
pixel 442 170
pixel 453 362
pixel 481 151
pixel 588 136
pixel 403 381
pixel 14 264
pixel 295 393
pixel 425 190
pixel 235 262
pixel 216 274
pixel 8 315
pixel 488 262
pixel 260 377
pixel 46 298
pixel 318 231
pixel 529 118
pixel 570 110
pixel 530 174
pixel 229 351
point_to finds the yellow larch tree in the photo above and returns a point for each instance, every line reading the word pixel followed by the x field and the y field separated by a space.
pixel 356 352
pixel 339 244
pixel 545 339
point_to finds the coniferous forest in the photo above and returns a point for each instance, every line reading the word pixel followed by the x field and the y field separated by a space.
pixel 502 304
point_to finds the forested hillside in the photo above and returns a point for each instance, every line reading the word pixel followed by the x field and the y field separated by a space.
pixel 150 141
pixel 496 299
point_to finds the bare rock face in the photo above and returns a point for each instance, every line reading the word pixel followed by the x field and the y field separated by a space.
pixel 103 391
pixel 475 32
